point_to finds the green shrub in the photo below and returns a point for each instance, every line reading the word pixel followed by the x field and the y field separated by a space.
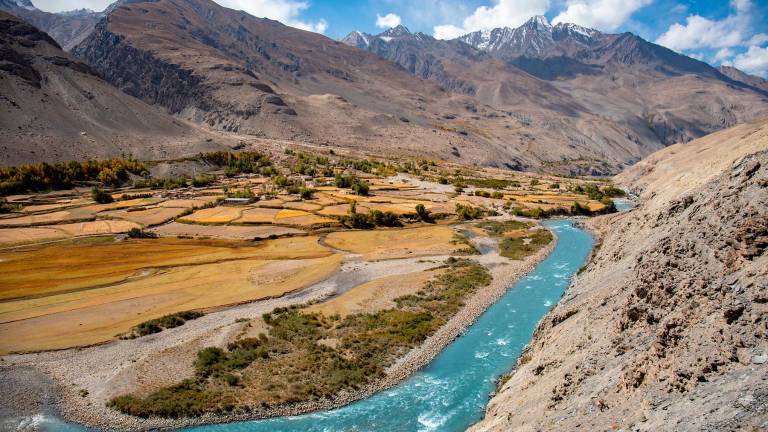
pixel 165 322
pixel 580 210
pixel 306 193
pixel 290 365
pixel 101 196
pixel 202 180
pixel 162 183
pixel 140 233
pixel 468 212
pixel 6 207
pixel 516 247
pixel 423 214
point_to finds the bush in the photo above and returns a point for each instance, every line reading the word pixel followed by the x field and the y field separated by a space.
pixel 497 195
pixel 351 182
pixel 101 196
pixel 6 207
pixel 468 212
pixel 554 186
pixel 517 248
pixel 306 193
pixel 202 180
pixel 162 183
pixel 165 322
pixel 386 219
pixel 140 233
pixel 423 214
pixel 580 210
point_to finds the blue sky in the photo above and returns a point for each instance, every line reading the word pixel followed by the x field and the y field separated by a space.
pixel 731 32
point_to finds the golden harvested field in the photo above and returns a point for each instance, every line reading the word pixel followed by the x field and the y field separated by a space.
pixel 14 236
pixel 114 288
pixel 147 217
pixel 284 214
pixel 214 215
pixel 258 216
pixel 307 220
pixel 395 243
pixel 375 295
pixel 232 232
pixel 303 205
pixel 43 219
pixel 190 203
pixel 76 266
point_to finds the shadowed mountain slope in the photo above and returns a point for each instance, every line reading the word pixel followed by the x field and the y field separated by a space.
pixel 56 108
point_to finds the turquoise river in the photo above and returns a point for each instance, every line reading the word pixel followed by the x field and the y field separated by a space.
pixel 451 393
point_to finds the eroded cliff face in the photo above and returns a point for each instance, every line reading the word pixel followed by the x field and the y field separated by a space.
pixel 666 329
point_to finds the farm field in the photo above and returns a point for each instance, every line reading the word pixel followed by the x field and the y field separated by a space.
pixel 396 243
pixel 90 292
pixel 79 267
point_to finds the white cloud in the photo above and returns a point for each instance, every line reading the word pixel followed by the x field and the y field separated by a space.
pixel 758 39
pixel 387 21
pixel 607 15
pixel 754 61
pixel 503 13
pixel 448 31
pixel 286 11
pixel 723 54
pixel 699 32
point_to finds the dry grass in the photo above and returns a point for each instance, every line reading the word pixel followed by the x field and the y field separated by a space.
pixel 395 243
pixel 67 267
pixel 284 214
pixel 231 232
pixel 215 215
pixel 375 295
pixel 54 307
pixel 148 217
pixel 258 216
pixel 14 236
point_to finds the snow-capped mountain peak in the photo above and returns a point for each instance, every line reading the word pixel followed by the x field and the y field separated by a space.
pixel 397 31
pixel 537 37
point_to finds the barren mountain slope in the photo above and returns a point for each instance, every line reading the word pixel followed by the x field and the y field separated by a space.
pixel 666 328
pixel 235 72
pixel 55 108
pixel 68 29
pixel 575 90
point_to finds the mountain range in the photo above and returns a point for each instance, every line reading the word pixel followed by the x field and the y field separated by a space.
pixel 559 98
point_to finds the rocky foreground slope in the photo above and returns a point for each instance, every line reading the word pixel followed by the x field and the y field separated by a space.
pixel 666 329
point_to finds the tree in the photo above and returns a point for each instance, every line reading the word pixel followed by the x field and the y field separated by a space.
pixel 422 213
